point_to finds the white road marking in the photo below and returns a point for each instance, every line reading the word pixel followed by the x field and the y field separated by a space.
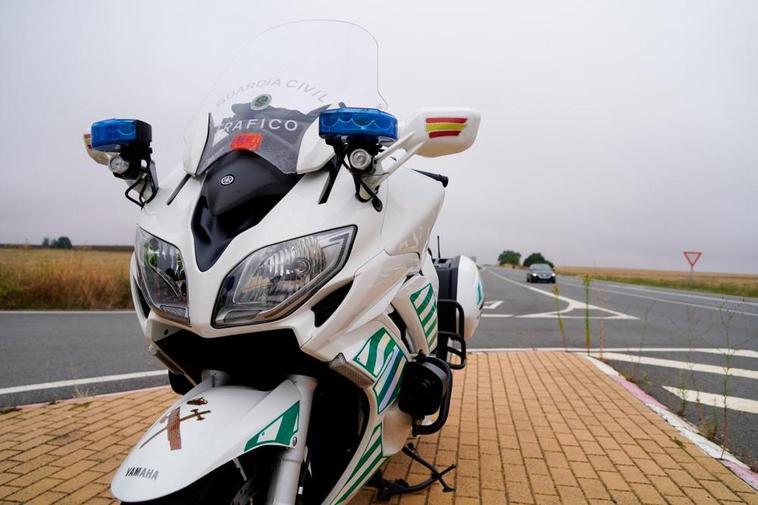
pixel 725 307
pixel 680 365
pixel 742 353
pixel 572 304
pixel 79 382
pixel 647 289
pixel 714 400
pixel 493 304
pixel 497 315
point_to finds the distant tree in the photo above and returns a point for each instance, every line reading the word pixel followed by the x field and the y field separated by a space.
pixel 509 257
pixel 536 258
pixel 45 242
pixel 62 243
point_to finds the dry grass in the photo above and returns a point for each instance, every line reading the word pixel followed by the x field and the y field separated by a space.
pixel 745 285
pixel 58 279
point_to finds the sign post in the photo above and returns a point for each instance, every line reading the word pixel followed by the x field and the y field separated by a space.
pixel 692 257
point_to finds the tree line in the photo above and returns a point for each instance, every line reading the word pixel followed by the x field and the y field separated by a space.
pixel 57 243
pixel 509 257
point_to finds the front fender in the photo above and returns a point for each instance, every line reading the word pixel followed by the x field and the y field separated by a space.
pixel 205 429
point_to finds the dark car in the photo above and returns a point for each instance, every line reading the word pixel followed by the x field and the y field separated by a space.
pixel 540 272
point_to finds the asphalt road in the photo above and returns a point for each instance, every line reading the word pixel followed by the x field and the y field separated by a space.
pixel 696 345
pixel 37 348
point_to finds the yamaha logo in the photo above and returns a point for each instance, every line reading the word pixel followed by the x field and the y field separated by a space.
pixel 227 179
pixel 260 102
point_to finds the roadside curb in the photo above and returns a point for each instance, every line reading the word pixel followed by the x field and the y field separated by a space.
pixel 86 399
pixel 689 431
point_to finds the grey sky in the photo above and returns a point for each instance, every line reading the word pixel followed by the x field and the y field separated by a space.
pixel 614 134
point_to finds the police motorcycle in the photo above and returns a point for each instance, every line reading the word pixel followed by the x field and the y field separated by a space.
pixel 283 276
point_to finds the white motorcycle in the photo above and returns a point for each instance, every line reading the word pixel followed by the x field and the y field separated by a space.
pixel 283 276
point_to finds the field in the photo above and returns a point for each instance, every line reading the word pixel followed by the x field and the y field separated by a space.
pixel 64 279
pixel 36 278
pixel 743 285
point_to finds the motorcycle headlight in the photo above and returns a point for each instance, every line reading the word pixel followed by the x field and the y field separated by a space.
pixel 162 276
pixel 274 280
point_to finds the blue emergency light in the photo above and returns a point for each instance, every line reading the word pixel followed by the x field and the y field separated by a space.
pixel 112 135
pixel 357 122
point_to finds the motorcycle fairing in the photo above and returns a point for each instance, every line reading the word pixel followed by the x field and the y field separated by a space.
pixel 206 428
pixel 382 356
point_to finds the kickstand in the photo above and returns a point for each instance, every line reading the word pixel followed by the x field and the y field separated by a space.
pixel 386 488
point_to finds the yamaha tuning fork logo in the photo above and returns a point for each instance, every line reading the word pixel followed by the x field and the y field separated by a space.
pixel 227 179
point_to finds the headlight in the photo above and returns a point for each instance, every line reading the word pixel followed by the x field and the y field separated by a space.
pixel 274 280
pixel 162 277
pixel 552 274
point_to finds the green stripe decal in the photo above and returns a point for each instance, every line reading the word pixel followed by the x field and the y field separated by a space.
pixel 369 461
pixel 375 352
pixel 386 388
pixel 421 307
pixel 426 310
pixel 479 292
pixel 280 431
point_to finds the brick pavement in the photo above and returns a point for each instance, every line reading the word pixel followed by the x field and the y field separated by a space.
pixel 529 427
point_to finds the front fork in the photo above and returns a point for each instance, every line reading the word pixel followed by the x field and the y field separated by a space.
pixel 285 482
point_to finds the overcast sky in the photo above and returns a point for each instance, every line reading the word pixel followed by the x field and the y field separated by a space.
pixel 612 134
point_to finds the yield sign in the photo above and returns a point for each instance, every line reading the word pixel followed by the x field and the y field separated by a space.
pixel 692 257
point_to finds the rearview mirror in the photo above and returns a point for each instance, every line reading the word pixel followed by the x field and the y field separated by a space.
pixel 439 131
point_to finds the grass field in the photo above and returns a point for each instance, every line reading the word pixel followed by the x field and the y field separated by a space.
pixel 87 279
pixel 743 285
pixel 64 279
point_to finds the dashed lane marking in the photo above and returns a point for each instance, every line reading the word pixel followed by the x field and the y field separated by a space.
pixel 680 365
pixel 657 291
pixel 726 307
pixel 79 382
pixel 714 400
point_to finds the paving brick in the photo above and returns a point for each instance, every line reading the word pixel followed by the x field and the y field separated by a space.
pixel 613 481
pixel 719 490
pixel 699 496
pixel 593 488
pixel 571 494
pixel 27 492
pixel 46 498
pixel 525 428
pixel 647 493
pixel 666 486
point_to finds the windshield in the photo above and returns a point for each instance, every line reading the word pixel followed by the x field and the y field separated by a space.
pixel 541 267
pixel 269 99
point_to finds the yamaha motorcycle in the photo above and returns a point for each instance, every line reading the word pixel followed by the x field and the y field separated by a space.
pixel 283 276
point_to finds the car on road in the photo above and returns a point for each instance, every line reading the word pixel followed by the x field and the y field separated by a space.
pixel 540 272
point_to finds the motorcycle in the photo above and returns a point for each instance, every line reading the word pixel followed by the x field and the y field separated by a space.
pixel 283 276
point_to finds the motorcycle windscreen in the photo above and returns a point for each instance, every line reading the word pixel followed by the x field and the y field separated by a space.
pixel 269 99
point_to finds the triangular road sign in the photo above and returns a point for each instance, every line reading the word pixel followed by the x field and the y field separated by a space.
pixel 692 257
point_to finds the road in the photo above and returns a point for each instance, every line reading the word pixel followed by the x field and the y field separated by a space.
pixel 678 346
pixel 43 347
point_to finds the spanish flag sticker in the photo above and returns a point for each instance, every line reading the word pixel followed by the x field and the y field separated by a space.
pixel 445 126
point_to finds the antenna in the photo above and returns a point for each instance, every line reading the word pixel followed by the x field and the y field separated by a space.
pixel 439 255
